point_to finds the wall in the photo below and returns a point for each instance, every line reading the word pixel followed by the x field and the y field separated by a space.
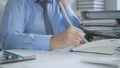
pixel 74 6
pixel 118 4
pixel 112 4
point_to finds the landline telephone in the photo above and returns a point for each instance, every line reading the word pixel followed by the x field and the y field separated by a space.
pixel 106 46
pixel 102 46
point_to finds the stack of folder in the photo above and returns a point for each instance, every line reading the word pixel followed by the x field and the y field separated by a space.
pixel 105 22
pixel 90 5
pixel 101 20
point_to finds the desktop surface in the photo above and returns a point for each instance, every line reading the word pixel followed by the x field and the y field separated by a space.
pixel 53 59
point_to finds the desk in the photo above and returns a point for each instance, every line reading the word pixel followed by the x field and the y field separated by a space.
pixel 45 58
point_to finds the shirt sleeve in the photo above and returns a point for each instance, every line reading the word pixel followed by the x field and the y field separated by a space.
pixel 62 24
pixel 72 16
pixel 13 25
pixel 74 19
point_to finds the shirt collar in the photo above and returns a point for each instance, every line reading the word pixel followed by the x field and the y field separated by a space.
pixel 49 1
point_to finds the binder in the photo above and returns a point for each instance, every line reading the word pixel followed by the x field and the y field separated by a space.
pixel 90 9
pixel 90 2
pixel 90 6
pixel 11 57
pixel 100 22
pixel 101 14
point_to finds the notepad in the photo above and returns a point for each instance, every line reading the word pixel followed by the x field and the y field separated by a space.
pixel 10 56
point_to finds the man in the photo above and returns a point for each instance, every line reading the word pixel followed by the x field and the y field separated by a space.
pixel 23 26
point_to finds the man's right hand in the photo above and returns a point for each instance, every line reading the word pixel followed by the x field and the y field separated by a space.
pixel 70 36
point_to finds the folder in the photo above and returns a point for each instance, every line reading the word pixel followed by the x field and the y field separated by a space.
pixel 101 14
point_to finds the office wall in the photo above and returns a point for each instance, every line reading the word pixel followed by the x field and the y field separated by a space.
pixel 118 4
pixel 74 6
pixel 112 4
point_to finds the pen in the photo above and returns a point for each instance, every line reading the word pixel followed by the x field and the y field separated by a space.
pixel 11 55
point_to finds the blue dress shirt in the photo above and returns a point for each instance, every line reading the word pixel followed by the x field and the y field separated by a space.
pixel 23 24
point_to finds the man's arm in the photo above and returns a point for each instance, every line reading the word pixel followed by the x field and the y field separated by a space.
pixel 74 19
pixel 70 36
pixel 13 27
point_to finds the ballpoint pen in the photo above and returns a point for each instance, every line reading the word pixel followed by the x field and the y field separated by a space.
pixel 11 55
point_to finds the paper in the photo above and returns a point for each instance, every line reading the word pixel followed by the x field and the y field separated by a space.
pixel 68 63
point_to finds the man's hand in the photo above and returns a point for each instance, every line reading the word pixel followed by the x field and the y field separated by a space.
pixel 64 2
pixel 70 36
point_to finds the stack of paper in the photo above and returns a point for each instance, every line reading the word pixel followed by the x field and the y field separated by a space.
pixel 90 5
